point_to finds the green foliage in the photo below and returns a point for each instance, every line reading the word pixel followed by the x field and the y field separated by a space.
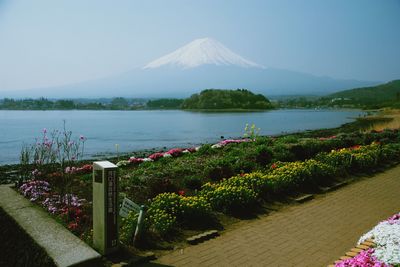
pixel 229 199
pixel 167 210
pixel 119 103
pixel 161 221
pixel 128 227
pixel 256 181
pixel 263 154
pixel 165 103
pixel 206 150
pixel 193 182
pixel 195 208
pixel 282 152
pixel 163 212
pixel 220 168
pixel 390 152
pixel 251 132
pixel 226 99
pixel 383 94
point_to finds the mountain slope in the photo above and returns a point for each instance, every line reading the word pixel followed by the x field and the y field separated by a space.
pixel 372 95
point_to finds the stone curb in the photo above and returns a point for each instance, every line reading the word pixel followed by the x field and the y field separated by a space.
pixel 304 198
pixel 60 244
pixel 196 239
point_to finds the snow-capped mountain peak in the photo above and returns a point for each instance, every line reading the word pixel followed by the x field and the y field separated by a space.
pixel 201 52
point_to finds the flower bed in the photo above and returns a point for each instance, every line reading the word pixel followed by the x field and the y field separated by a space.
pixel 386 236
pixel 69 208
pixel 187 186
pixel 242 192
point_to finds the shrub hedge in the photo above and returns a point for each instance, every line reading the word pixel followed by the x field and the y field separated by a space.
pixel 243 192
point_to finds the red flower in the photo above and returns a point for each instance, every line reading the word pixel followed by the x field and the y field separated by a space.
pixel 192 149
pixel 135 160
pixel 174 152
pixel 72 225
pixel 274 166
pixel 156 156
pixel 181 192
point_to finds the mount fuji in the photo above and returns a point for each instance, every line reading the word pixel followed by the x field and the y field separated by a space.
pixel 205 51
pixel 202 63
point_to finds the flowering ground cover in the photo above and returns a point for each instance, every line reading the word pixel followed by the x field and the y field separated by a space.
pixel 386 236
pixel 187 188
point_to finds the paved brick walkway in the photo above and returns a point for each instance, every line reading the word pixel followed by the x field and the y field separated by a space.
pixel 311 234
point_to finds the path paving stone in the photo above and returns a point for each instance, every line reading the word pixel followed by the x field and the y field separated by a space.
pixel 315 233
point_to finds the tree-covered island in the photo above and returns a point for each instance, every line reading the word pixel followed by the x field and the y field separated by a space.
pixel 213 99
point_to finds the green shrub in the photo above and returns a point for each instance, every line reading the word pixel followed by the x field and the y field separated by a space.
pixel 195 208
pixel 206 150
pixel 220 168
pixel 263 155
pixel 161 221
pixel 289 176
pixel 128 227
pixel 363 161
pixel 256 181
pixel 289 139
pixel 193 182
pixel 320 172
pixel 390 152
pixel 229 199
pixel 168 202
pixel 341 159
pixel 163 212
pixel 282 152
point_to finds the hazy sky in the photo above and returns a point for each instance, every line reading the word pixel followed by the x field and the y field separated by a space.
pixel 47 42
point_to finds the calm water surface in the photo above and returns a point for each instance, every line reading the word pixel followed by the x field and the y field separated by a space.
pixel 136 130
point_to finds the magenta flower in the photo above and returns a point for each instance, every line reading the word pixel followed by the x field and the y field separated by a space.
pixel 363 259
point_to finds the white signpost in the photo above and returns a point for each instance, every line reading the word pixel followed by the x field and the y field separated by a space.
pixel 105 207
pixel 128 206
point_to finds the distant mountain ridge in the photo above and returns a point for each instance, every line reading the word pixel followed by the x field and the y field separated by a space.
pixel 203 63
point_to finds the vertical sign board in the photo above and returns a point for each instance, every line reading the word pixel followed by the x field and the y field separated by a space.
pixel 105 204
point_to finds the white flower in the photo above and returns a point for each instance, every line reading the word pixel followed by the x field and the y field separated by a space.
pixel 147 159
pixel 217 145
pixel 386 236
pixel 123 163
pixel 167 155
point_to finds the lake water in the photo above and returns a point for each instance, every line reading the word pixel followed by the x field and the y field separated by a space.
pixel 137 130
